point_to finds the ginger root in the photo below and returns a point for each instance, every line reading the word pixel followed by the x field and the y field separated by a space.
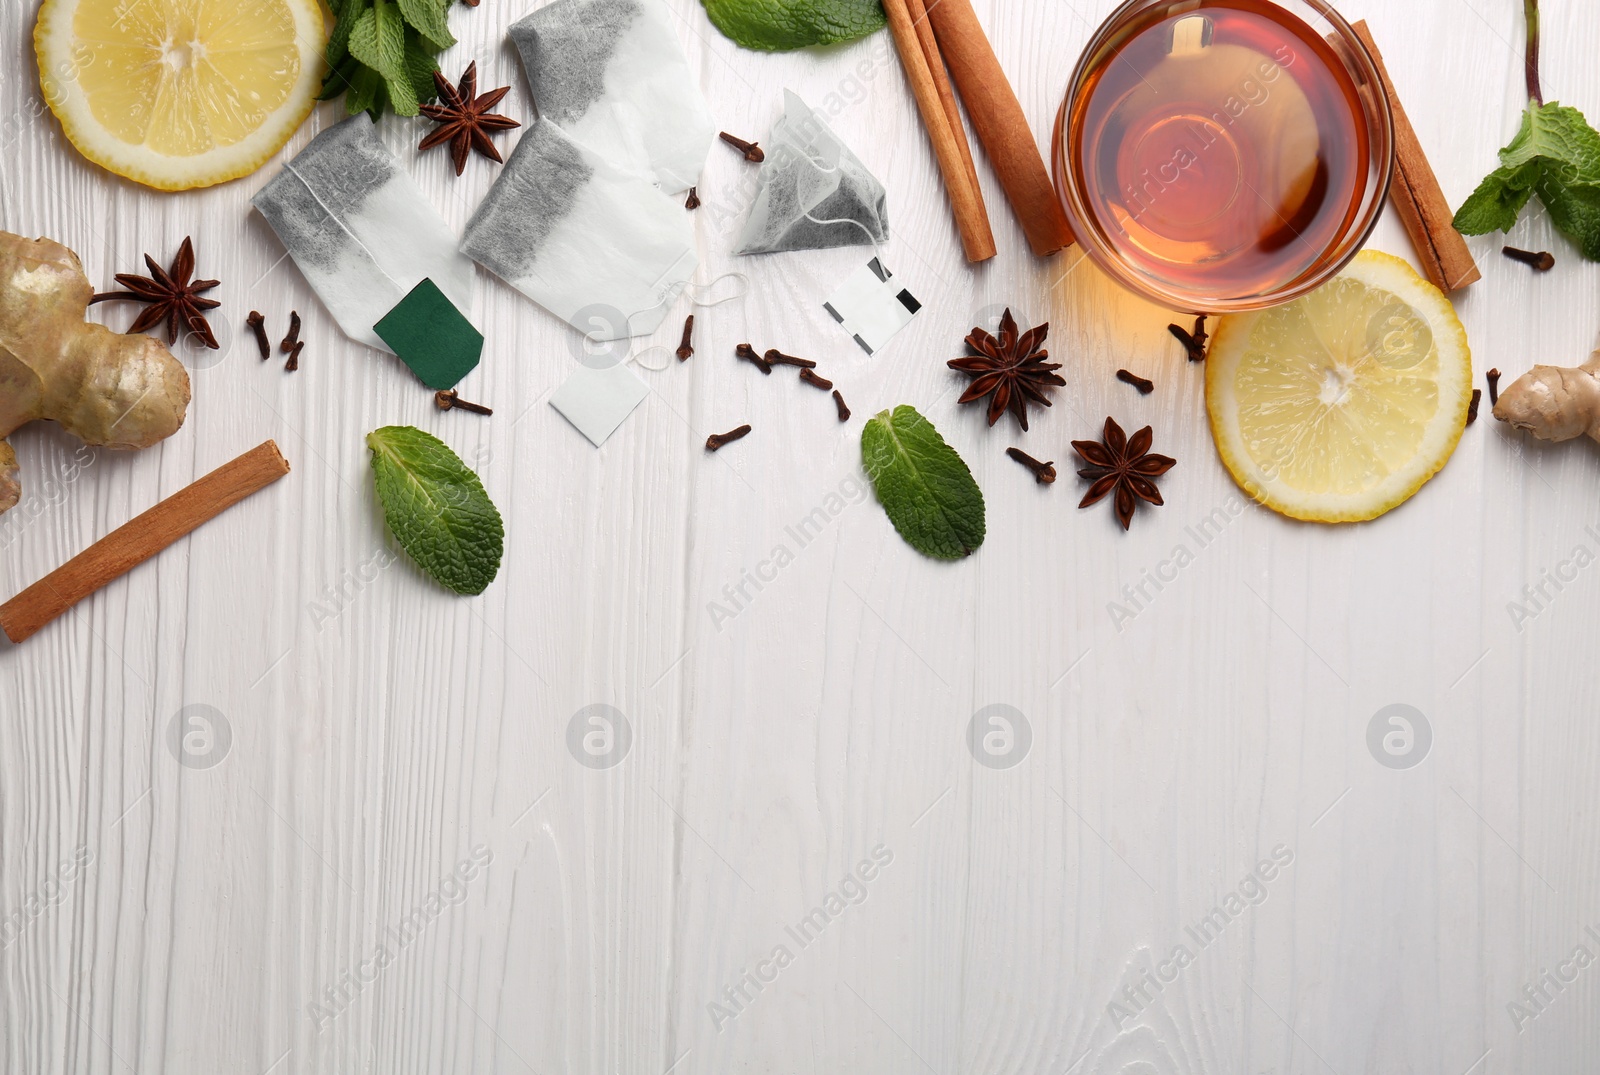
pixel 10 478
pixel 109 390
pixel 1555 402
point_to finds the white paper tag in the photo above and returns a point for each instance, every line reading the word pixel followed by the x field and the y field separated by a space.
pixel 872 307
pixel 598 401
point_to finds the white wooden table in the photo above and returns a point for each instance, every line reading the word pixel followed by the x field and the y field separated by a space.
pixel 287 908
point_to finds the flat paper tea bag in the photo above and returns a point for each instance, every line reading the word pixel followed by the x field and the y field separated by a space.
pixel 360 229
pixel 814 193
pixel 612 75
pixel 603 249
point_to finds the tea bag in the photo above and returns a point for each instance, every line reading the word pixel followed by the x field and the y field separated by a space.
pixel 814 193
pixel 612 75
pixel 602 249
pixel 360 229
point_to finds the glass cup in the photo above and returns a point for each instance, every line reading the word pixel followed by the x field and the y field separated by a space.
pixel 1217 156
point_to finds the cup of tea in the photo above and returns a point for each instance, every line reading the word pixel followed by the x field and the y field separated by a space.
pixel 1218 156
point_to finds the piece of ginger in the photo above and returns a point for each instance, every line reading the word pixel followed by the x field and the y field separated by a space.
pixel 106 389
pixel 1555 402
pixel 10 477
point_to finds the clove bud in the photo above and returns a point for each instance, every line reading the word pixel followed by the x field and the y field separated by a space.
pixel 752 151
pixel 1543 261
pixel 1043 473
pixel 1143 384
pixel 748 353
pixel 294 332
pixel 777 358
pixel 451 400
pixel 258 325
pixel 810 377
pixel 1193 342
pixel 686 348
pixel 716 441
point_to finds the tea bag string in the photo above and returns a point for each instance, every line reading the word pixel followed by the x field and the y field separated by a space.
pixel 700 295
pixel 825 169
pixel 699 298
pixel 704 304
pixel 877 247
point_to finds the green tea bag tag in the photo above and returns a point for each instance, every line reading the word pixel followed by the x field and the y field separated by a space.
pixel 432 337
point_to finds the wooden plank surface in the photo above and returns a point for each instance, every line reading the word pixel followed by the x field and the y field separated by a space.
pixel 273 893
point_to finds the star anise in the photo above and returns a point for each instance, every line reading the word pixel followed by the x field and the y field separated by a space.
pixel 1009 368
pixel 465 118
pixel 1124 465
pixel 172 295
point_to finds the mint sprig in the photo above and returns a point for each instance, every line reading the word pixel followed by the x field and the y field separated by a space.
pixel 924 486
pixel 781 25
pixel 1555 155
pixel 382 54
pixel 437 508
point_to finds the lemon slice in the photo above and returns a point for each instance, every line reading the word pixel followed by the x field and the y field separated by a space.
pixel 177 94
pixel 1340 405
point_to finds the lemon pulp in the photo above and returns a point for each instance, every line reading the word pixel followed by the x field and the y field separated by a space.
pixel 1339 406
pixel 180 93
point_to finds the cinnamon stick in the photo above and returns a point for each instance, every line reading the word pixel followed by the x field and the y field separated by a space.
pixel 1416 194
pixel 1002 127
pixel 972 219
pixel 947 93
pixel 137 541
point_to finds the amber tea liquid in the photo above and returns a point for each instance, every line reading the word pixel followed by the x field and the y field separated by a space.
pixel 1222 151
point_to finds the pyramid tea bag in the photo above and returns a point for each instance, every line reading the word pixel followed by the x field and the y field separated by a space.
pixel 813 193
pixel 360 229
pixel 603 249
pixel 612 75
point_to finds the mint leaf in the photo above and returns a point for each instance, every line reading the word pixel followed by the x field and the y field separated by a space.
pixel 420 66
pixel 1556 155
pixel 378 40
pixel 365 92
pixel 339 79
pixel 1558 135
pixel 1575 210
pixel 345 14
pixel 437 508
pixel 781 25
pixel 401 96
pixel 427 17
pixel 923 485
pixel 338 44
pixel 381 54
pixel 363 40
pixel 1497 202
